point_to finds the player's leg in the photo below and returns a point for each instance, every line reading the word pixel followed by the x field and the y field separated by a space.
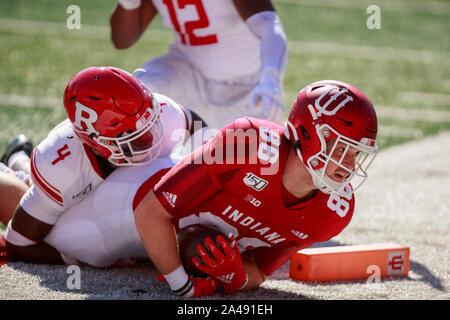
pixel 11 191
pixel 17 154
pixel 172 75
pixel 228 100
pixel 14 175
pixel 163 74
pixel 100 230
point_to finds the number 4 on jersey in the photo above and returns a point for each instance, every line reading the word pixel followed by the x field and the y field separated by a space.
pixel 62 154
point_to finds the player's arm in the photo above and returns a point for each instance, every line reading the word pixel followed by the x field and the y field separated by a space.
pixel 255 275
pixel 24 239
pixel 181 125
pixel 38 211
pixel 197 131
pixel 196 122
pixel 185 186
pixel 155 228
pixel 129 20
pixel 263 21
pixel 194 180
pixel 268 260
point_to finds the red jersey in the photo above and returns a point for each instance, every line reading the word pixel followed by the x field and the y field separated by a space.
pixel 235 183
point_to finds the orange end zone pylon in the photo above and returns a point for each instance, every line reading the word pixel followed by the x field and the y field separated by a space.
pixel 349 262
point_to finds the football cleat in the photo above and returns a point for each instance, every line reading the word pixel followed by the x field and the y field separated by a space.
pixel 19 143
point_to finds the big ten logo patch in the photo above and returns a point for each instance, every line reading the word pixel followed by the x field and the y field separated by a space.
pixel 252 200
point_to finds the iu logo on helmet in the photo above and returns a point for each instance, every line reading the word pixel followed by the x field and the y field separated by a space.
pixel 81 111
pixel 324 109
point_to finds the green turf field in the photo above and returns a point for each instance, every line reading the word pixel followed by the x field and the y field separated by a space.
pixel 404 67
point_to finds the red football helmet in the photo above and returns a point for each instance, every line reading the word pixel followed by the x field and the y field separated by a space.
pixel 327 110
pixel 116 115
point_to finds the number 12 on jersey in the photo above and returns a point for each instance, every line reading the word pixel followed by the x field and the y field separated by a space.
pixel 190 26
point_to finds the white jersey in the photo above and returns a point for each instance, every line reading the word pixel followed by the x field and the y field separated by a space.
pixel 64 170
pixel 212 36
pixel 101 229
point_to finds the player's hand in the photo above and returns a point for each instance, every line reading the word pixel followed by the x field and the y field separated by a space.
pixel 225 268
pixel 267 94
pixel 202 287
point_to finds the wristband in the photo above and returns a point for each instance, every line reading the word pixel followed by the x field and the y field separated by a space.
pixel 179 282
pixel 130 4
pixel 187 290
pixel 12 236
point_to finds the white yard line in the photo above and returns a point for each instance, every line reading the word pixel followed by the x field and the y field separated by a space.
pixel 29 102
pixel 393 131
pixel 367 52
pixel 44 28
pixel 29 27
pixel 439 8
pixel 424 98
pixel 413 114
pixel 382 112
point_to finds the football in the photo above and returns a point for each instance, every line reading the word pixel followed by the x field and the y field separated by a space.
pixel 188 239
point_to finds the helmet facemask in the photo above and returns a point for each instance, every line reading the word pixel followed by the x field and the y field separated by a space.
pixel 333 126
pixel 115 115
pixel 329 155
pixel 138 147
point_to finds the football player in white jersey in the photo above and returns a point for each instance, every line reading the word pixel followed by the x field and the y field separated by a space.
pixel 100 230
pixel 113 121
pixel 227 61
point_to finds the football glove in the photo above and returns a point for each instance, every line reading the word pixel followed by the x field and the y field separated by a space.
pixel 4 258
pixel 225 267
pixel 203 287
pixel 267 94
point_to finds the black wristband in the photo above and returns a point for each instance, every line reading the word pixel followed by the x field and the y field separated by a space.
pixel 184 289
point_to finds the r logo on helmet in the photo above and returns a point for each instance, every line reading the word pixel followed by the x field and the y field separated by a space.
pixel 80 111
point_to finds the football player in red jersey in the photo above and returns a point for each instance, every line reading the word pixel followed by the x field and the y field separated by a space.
pixel 274 189
pixel 227 61
pixel 113 121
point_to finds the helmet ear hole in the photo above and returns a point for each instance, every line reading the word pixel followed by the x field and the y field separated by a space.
pixel 305 133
